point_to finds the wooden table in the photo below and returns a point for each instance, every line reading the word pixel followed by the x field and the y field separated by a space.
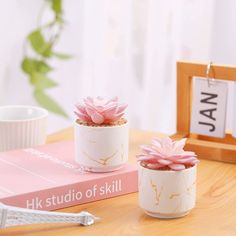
pixel 215 212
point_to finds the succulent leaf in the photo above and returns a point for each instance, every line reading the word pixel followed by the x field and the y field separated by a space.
pixel 165 154
pixel 99 110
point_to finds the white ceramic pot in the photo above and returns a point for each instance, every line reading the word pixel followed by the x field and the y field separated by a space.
pixel 167 194
pixel 101 148
pixel 22 127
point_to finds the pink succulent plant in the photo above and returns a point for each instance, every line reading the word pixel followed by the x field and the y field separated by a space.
pixel 99 110
pixel 165 154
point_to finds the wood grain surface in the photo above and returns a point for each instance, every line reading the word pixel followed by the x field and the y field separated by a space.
pixel 215 212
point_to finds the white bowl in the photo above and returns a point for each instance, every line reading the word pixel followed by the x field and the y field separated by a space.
pixel 22 127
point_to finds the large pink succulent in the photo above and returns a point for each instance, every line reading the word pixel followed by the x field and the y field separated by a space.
pixel 164 154
pixel 99 110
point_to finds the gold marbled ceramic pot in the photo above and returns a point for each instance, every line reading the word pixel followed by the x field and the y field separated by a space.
pixel 167 193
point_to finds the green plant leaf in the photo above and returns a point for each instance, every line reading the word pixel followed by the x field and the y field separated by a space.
pixel 41 82
pixel 42 40
pixel 57 6
pixel 30 65
pixel 43 67
pixel 48 103
pixel 61 56
pixel 39 44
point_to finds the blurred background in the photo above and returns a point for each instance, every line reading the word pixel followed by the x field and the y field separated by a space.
pixel 124 48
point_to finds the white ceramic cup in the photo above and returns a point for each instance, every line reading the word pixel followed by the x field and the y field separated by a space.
pixel 101 148
pixel 167 194
pixel 22 127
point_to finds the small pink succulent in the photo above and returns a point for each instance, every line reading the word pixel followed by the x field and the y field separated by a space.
pixel 99 110
pixel 165 154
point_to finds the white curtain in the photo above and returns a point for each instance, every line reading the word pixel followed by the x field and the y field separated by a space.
pixel 128 48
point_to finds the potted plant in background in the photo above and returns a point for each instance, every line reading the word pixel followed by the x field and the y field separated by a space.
pixel 167 178
pixel 101 134
pixel 36 61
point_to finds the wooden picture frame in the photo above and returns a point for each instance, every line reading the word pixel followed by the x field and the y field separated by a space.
pixel 219 149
